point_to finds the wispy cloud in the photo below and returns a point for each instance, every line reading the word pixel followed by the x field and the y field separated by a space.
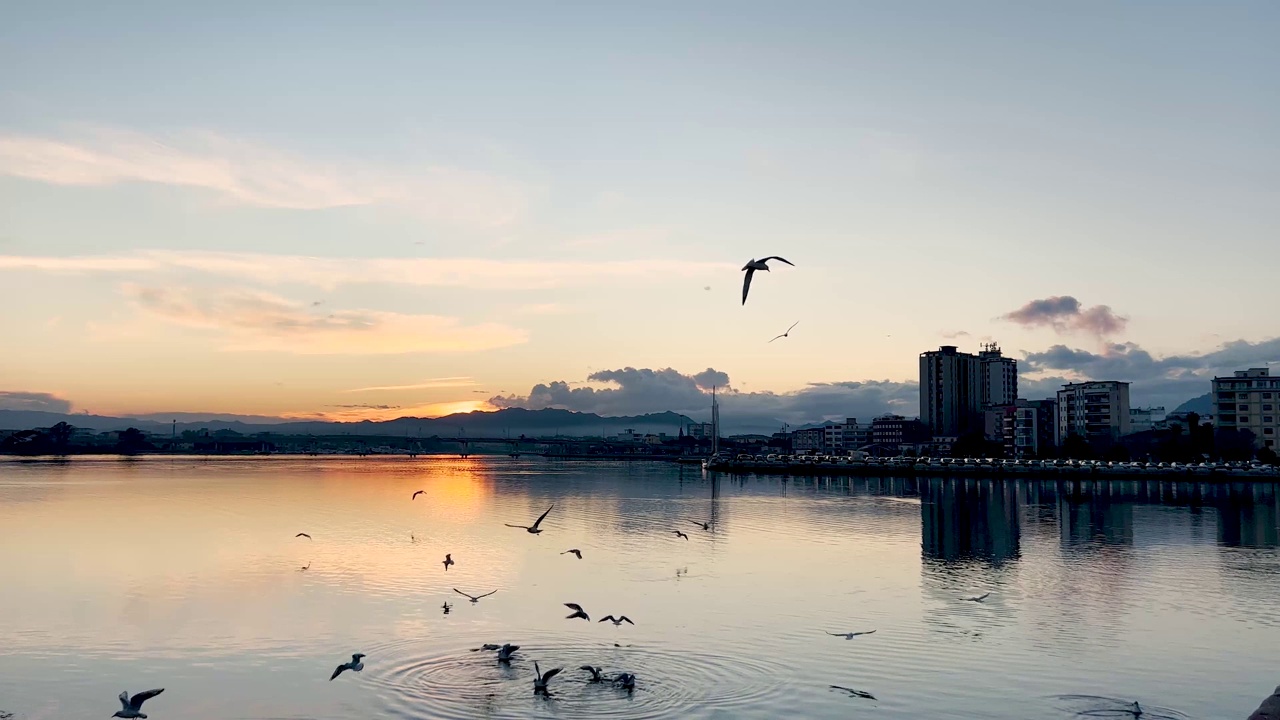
pixel 1066 314
pixel 248 320
pixel 444 382
pixel 330 272
pixel 246 173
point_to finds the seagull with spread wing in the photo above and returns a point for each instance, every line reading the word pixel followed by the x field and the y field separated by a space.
pixel 751 268
pixel 540 682
pixel 617 620
pixel 787 333
pixel 578 612
pixel 533 529
pixel 355 666
pixel 131 707
pixel 850 635
pixel 475 598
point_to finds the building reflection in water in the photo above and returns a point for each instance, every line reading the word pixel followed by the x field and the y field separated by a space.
pixel 965 519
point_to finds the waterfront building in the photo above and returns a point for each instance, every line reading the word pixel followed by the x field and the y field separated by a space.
pixel 1096 410
pixel 1249 400
pixel 1144 419
pixel 895 430
pixel 950 391
pixel 999 377
pixel 700 431
pixel 808 440
pixel 1034 427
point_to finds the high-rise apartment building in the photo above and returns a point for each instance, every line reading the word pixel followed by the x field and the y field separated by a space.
pixel 1035 427
pixel 1093 410
pixel 1249 400
pixel 999 377
pixel 950 392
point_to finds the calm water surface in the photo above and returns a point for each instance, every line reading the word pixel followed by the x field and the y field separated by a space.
pixel 185 574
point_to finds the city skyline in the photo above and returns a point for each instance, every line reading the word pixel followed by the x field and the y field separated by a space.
pixel 407 211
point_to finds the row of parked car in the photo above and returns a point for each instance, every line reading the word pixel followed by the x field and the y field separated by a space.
pixel 1006 465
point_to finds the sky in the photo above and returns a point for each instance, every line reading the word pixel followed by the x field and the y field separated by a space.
pixel 303 210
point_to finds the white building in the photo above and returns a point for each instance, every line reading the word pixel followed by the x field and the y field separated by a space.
pixel 999 377
pixel 700 431
pixel 1143 419
pixel 1249 400
pixel 1093 410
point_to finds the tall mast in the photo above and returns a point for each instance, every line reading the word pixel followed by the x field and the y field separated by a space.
pixel 715 422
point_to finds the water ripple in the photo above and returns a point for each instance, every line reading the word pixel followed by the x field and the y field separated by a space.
pixel 459 683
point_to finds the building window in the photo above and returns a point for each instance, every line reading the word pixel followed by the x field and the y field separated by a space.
pixel 1266 408
pixel 1244 419
pixel 1266 396
pixel 1268 419
pixel 1268 431
pixel 1242 408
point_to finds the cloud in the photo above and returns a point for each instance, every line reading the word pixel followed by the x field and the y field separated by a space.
pixel 444 382
pixel 256 321
pixel 245 173
pixel 631 391
pixel 38 401
pixel 543 309
pixel 955 334
pixel 365 406
pixel 1065 314
pixel 331 272
pixel 1167 380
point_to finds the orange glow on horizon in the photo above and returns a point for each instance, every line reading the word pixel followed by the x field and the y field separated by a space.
pixel 376 414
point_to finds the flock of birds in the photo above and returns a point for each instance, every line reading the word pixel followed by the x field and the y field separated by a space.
pixel 131 706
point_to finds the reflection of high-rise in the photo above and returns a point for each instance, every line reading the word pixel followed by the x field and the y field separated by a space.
pixel 1248 518
pixel 1084 519
pixel 962 519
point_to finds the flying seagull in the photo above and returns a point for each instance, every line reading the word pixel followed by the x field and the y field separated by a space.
pixel 447 607
pixel 855 693
pixel 618 620
pixel 851 635
pixel 416 494
pixel 131 707
pixel 354 665
pixel 306 567
pixel 575 551
pixel 753 266
pixel 303 535
pixel 704 525
pixel 506 651
pixel 448 560
pixel 475 598
pixel 595 673
pixel 532 528
pixel 540 682
pixel 978 598
pixel 578 612
pixel 680 534
pixel 626 681
pixel 788 332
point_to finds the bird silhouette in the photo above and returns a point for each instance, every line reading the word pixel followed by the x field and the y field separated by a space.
pixel 506 651
pixel 416 494
pixel 578 612
pixel 788 332
pixel 355 665
pixel 978 598
pixel 751 267
pixel 680 534
pixel 618 620
pixel 850 635
pixel 448 560
pixel 303 535
pixel 595 673
pixel 854 693
pixel 534 527
pixel 475 598
pixel 574 551
pixel 540 682
pixel 131 707
pixel 704 525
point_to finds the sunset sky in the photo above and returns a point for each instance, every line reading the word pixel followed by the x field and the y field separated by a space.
pixel 288 209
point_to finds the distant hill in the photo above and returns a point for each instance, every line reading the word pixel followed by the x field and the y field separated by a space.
pixel 1202 405
pixel 512 422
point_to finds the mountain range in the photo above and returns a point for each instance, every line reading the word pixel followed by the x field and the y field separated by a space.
pixel 510 422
